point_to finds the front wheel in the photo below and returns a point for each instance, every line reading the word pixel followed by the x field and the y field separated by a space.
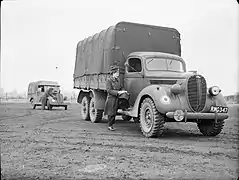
pixel 32 104
pixel 210 127
pixel 95 114
pixel 151 121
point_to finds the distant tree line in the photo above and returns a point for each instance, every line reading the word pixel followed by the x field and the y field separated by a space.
pixel 232 98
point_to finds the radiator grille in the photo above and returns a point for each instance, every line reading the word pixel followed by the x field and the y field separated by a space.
pixel 197 91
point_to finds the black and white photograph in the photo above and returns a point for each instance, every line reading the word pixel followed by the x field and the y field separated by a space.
pixel 119 90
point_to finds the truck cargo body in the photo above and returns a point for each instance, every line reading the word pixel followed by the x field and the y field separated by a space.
pixel 112 46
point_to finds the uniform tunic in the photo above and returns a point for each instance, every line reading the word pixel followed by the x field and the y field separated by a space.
pixel 111 104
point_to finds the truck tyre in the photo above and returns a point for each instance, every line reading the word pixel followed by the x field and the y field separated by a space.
pixel 126 117
pixel 85 103
pixel 151 121
pixel 95 114
pixel 210 127
pixel 49 106
pixel 33 105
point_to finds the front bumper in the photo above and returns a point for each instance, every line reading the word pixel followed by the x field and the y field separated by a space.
pixel 190 115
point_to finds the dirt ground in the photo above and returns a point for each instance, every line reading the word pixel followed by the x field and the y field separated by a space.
pixel 57 144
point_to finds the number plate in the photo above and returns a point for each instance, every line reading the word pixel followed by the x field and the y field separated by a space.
pixel 219 109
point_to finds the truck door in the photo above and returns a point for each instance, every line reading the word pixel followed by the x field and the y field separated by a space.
pixel 133 81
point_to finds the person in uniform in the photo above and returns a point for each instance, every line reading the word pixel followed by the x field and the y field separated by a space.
pixel 45 96
pixel 114 89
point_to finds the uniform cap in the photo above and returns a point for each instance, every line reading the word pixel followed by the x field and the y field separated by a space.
pixel 113 68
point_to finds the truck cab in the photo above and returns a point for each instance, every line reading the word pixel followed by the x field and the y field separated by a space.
pixel 162 90
pixel 145 68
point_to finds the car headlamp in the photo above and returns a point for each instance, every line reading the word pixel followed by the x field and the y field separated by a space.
pixel 214 90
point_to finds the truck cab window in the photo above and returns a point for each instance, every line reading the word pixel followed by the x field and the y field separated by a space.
pixel 134 65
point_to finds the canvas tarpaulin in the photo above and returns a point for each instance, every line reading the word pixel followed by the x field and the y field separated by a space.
pixel 95 54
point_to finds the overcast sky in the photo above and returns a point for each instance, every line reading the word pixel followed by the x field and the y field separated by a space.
pixel 39 35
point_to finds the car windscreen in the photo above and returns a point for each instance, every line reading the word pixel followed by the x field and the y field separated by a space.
pixel 164 64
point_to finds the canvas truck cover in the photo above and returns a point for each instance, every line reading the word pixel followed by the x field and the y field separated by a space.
pixel 95 54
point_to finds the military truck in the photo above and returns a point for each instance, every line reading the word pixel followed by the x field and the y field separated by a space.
pixel 153 72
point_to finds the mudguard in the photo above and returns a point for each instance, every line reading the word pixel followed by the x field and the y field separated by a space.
pixel 165 101
pixel 161 97
pixel 218 100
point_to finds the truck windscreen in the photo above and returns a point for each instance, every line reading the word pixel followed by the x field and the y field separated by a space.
pixel 162 64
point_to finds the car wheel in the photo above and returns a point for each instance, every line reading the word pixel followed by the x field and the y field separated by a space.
pixel 32 104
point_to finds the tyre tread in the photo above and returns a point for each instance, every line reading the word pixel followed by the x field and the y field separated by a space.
pixel 158 126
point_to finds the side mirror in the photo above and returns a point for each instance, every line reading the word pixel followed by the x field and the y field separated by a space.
pixel 127 65
pixel 65 98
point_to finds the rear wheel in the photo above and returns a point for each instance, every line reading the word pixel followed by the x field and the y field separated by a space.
pixel 151 121
pixel 85 103
pixel 210 127
pixel 95 114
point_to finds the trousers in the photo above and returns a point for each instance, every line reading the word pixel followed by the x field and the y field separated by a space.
pixel 111 120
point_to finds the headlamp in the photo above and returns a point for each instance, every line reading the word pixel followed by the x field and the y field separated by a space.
pixel 214 90
pixel 176 89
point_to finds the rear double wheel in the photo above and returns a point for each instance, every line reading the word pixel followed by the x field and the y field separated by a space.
pixel 95 114
pixel 85 106
pixel 151 121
